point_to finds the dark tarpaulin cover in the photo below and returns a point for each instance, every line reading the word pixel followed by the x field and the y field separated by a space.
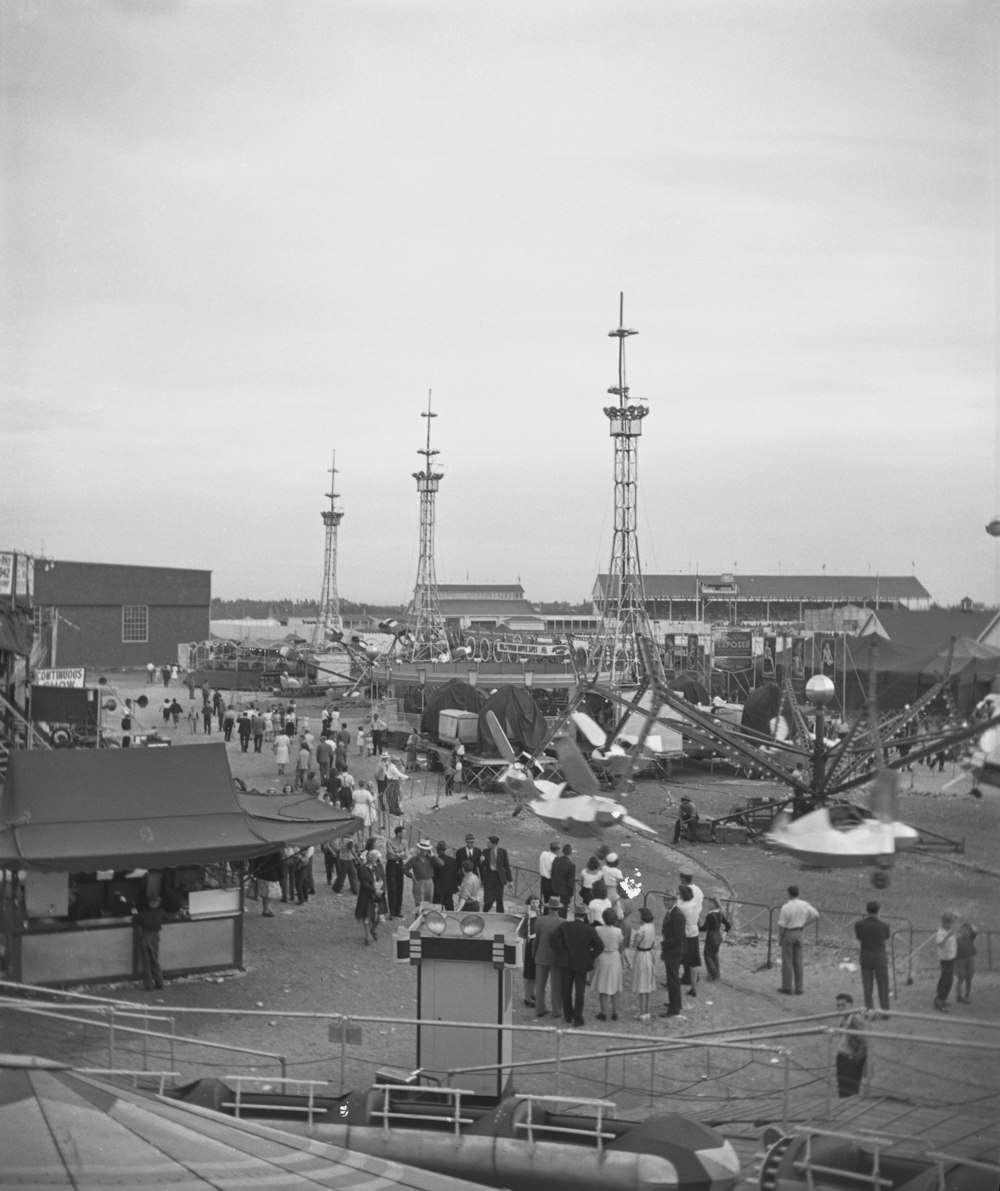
pixel 760 708
pixel 456 695
pixel 688 687
pixel 519 717
pixel 16 631
pixel 75 810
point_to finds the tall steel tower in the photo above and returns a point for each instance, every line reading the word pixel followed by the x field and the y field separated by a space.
pixel 623 609
pixel 329 601
pixel 426 621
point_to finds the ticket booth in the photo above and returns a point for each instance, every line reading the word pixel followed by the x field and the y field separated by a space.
pixel 464 965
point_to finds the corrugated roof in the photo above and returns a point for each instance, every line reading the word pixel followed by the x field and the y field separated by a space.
pixel 461 590
pixel 456 607
pixel 812 588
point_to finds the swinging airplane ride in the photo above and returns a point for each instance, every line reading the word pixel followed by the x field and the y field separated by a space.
pixel 829 834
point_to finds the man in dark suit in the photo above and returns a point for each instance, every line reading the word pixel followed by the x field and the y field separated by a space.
pixel 575 946
pixel 470 852
pixel 446 877
pixel 495 874
pixel 672 952
pixel 564 877
pixel 545 958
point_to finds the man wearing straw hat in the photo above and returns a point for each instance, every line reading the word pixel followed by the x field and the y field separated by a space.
pixel 420 869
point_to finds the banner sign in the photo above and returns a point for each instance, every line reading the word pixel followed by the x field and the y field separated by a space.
pixel 732 650
pixel 6 574
pixel 826 662
pixel 767 669
pixel 75 676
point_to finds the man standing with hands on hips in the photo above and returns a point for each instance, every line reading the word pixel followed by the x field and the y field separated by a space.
pixel 795 916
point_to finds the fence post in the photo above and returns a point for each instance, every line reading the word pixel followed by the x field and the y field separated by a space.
pixel 111 1038
pixel 559 1038
pixel 770 925
pixel 787 1082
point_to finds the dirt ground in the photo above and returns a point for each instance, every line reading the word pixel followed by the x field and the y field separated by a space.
pixel 311 959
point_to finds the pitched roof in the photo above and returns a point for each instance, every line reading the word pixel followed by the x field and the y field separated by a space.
pixel 814 588
pixel 925 631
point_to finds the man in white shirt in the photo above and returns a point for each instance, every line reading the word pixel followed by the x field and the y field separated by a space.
pixel 795 916
pixel 545 871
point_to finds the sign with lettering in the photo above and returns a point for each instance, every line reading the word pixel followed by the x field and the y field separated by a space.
pixel 74 676
pixel 6 574
pixel 732 649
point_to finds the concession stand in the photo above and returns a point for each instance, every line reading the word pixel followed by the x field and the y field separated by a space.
pixel 87 836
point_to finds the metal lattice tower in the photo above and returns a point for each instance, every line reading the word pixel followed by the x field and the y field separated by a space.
pixel 426 622
pixel 329 601
pixel 623 609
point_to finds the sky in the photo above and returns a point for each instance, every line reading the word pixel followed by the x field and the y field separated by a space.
pixel 239 236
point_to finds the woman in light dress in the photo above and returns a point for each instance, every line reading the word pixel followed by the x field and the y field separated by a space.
pixel 609 965
pixel 366 808
pixel 599 902
pixel 643 970
pixel 281 747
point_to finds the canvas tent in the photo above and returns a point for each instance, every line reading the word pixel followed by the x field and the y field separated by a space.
pixel 76 810
pixel 456 695
pixel 522 722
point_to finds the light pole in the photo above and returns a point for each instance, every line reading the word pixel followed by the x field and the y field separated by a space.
pixel 820 692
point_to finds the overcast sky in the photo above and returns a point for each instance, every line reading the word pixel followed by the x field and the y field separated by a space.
pixel 239 235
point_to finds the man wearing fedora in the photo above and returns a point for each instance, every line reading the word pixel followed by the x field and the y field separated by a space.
pixel 470 852
pixel 496 875
pixel 420 869
pixel 544 955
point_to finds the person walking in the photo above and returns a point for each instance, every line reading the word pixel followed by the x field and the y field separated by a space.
pixel 873 934
pixel 347 866
pixel 378 731
pixel 206 718
pixel 393 777
pixel 258 727
pixel 609 967
pixel 852 1049
pixel 643 972
pixel 946 944
pixel 244 730
pixel 496 875
pixel 564 877
pixel 228 723
pixel 192 718
pixel 715 923
pixel 150 923
pixel 576 945
pixel 965 962
pixel 150 674
pixel 794 916
pixel 672 952
pixel 370 907
pixel 302 764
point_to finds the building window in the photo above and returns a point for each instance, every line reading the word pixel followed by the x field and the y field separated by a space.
pixel 135 623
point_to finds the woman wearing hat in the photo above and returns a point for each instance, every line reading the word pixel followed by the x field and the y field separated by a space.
pixel 370 906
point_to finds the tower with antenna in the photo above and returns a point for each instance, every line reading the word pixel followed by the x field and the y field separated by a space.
pixel 623 608
pixel 426 621
pixel 329 601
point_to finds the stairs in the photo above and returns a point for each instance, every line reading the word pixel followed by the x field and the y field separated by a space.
pixel 16 732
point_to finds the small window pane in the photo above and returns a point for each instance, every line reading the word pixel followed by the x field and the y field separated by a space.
pixel 135 623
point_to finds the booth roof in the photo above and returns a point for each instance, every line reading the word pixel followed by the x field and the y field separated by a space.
pixel 76 810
